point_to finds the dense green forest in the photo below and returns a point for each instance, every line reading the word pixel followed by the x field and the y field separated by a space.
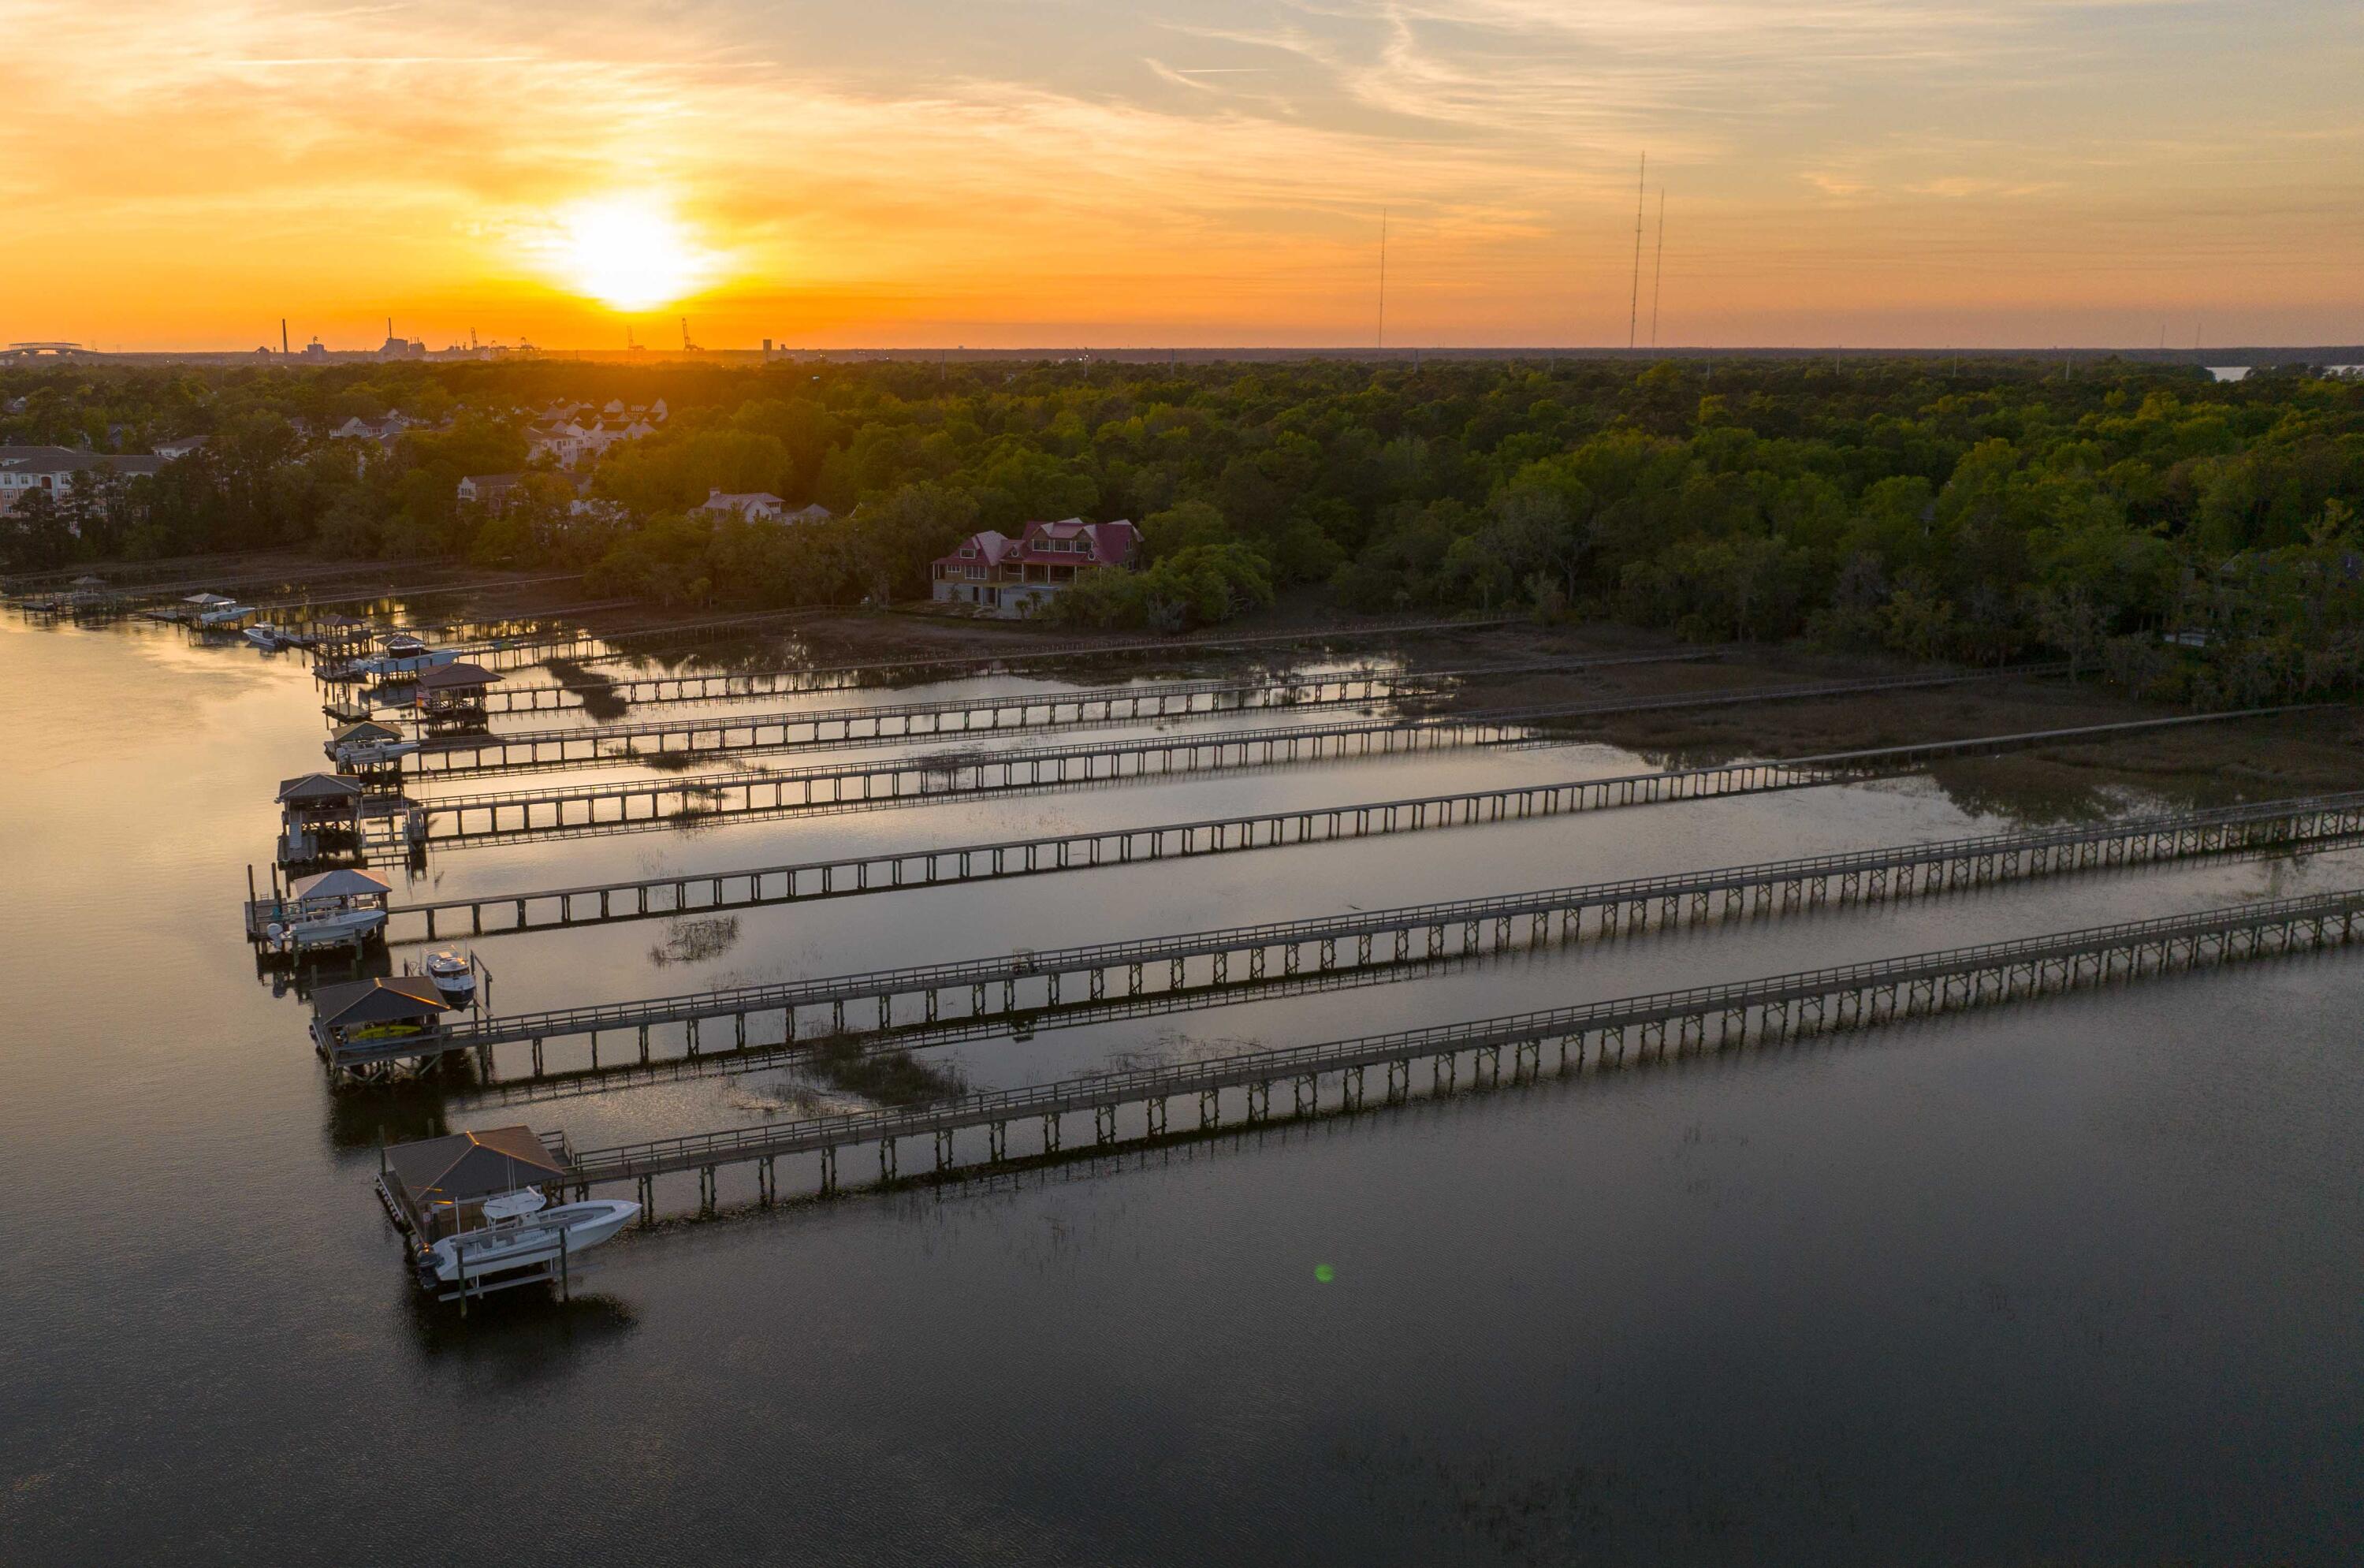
pixel 1981 513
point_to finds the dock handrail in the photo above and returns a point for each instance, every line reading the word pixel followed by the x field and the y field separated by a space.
pixel 2335 816
pixel 1476 719
pixel 686 1151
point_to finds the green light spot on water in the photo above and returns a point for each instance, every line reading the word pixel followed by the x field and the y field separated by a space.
pixel 1324 1272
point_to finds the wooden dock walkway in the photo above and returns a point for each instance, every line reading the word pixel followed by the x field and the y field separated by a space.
pixel 902 781
pixel 595 647
pixel 1594 1036
pixel 709 892
pixel 411 590
pixel 1198 966
pixel 804 680
pixel 997 713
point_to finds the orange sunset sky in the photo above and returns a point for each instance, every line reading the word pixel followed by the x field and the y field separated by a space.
pixel 1006 172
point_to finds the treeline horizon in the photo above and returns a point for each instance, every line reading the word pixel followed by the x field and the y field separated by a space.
pixel 1981 511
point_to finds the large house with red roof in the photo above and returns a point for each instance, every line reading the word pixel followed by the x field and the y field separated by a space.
pixel 1015 578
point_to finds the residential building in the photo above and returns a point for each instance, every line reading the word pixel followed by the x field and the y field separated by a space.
pixel 24 469
pixel 490 491
pixel 384 432
pixel 178 446
pixel 755 506
pixel 568 440
pixel 1013 578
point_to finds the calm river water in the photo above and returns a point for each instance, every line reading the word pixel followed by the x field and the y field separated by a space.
pixel 2077 1282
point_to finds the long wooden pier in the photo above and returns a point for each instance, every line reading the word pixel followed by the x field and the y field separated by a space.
pixel 1198 966
pixel 936 866
pixel 792 680
pixel 321 573
pixel 594 647
pixel 643 803
pixel 884 723
pixel 1590 1035
pixel 372 595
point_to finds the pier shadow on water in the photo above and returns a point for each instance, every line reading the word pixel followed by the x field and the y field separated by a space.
pixel 520 1337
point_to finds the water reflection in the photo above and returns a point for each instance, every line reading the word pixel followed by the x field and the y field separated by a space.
pixel 517 1339
pixel 1970 1289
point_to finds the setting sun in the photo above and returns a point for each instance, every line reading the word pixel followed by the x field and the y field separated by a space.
pixel 629 252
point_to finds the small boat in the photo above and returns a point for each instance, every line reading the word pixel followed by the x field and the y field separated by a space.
pixel 347 927
pixel 369 754
pixel 227 613
pixel 454 975
pixel 265 635
pixel 521 1232
pixel 394 664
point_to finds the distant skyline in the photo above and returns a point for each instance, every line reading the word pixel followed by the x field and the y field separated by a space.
pixel 1195 173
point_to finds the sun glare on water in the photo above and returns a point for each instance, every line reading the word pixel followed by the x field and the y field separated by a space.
pixel 628 253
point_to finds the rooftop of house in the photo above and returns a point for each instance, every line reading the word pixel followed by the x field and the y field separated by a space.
pixel 72 460
pixel 1063 543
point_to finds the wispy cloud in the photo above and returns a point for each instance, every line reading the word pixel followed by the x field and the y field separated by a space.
pixel 263 150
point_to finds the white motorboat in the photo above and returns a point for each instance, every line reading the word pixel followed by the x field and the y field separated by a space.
pixel 404 664
pixel 265 635
pixel 226 613
pixel 369 754
pixel 520 1232
pixel 347 927
pixel 454 975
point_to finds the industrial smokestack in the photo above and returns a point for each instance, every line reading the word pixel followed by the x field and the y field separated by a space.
pixel 283 337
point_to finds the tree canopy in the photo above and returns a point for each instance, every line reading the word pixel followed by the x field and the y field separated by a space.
pixel 1977 512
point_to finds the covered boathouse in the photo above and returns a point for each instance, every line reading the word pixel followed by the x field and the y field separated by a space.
pixel 362 1025
pixel 312 805
pixel 452 695
pixel 437 1187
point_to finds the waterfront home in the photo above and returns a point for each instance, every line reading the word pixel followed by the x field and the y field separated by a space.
pixel 1016 577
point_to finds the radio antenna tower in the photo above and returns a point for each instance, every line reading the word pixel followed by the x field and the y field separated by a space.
pixel 1658 267
pixel 1383 277
pixel 1633 306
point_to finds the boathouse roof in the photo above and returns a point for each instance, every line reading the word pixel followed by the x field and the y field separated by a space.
pixel 461 1166
pixel 342 883
pixel 365 730
pixel 387 1000
pixel 309 787
pixel 453 677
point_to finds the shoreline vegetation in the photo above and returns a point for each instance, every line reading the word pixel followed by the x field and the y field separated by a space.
pixel 2189 540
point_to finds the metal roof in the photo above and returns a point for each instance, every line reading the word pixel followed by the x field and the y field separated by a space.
pixel 441 675
pixel 386 1000
pixel 461 1166
pixel 344 883
pixel 319 787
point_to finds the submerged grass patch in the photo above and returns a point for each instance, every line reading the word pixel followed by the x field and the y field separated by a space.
pixel 692 941
pixel 597 692
pixel 884 1078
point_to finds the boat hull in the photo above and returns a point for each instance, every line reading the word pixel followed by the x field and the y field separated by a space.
pixel 332 931
pixel 475 1254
